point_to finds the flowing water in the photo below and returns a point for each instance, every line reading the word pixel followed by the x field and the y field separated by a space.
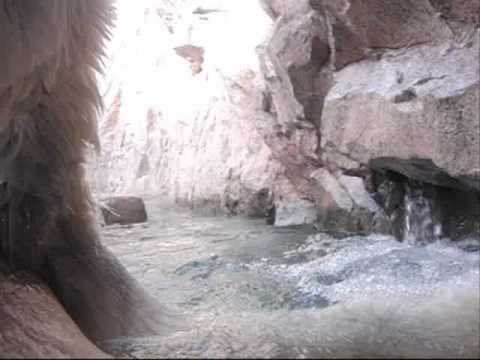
pixel 421 222
pixel 242 282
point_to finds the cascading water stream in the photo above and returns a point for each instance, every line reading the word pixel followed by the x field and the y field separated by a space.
pixel 422 224
pixel 249 289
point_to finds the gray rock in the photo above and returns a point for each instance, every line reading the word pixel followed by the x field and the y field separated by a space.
pixel 251 203
pixel 365 28
pixel 383 86
pixel 345 205
pixel 359 194
pixel 332 188
pixel 432 136
pixel 295 212
pixel 124 210
pixel 467 11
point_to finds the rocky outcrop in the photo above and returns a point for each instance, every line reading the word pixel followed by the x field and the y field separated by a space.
pixel 297 66
pixel 123 210
pixel 294 212
pixel 414 111
pixel 361 87
pixel 183 118
pixel 336 96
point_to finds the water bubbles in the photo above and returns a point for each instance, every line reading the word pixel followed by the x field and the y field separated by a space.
pixel 240 279
pixel 421 223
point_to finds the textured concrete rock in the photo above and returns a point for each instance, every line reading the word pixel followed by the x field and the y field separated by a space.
pixel 332 187
pixel 359 194
pixel 467 11
pixel 124 210
pixel 362 28
pixel 295 212
pixel 384 86
pixel 294 60
pixel 425 126
pixel 345 205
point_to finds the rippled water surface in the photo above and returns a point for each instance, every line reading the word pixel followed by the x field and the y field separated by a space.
pixel 242 282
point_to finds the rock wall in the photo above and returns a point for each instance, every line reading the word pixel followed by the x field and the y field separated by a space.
pixel 307 115
pixel 362 88
pixel 184 95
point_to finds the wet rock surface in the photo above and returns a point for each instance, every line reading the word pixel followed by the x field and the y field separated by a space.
pixel 345 204
pixel 124 210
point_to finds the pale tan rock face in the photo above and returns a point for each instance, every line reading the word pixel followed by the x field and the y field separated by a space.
pixel 183 118
pixel 431 115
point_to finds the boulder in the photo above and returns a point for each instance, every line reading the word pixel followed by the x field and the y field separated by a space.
pixel 355 188
pixel 345 205
pixel 248 202
pixel 465 11
pixel 124 210
pixel 414 112
pixel 365 29
pixel 355 85
pixel 295 212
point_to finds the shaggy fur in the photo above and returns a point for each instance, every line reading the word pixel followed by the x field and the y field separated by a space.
pixel 49 103
pixel 35 325
pixel 51 51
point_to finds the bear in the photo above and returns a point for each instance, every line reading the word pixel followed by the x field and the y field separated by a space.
pixel 51 53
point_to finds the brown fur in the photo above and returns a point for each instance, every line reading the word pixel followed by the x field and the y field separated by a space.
pixel 49 102
pixel 49 108
pixel 35 325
